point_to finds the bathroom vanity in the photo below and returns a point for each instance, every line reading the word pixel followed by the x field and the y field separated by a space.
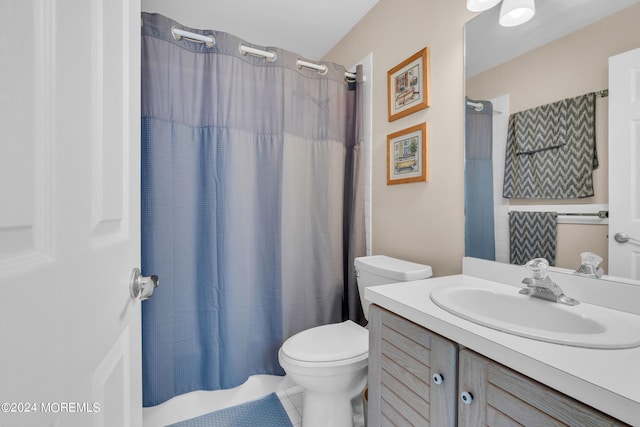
pixel 429 366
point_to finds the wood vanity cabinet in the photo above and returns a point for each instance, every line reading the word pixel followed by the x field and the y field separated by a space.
pixel 405 360
pixel 503 397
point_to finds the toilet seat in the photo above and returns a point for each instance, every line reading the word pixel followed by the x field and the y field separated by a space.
pixel 345 342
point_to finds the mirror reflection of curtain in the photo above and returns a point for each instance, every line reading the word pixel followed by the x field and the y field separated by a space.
pixel 478 181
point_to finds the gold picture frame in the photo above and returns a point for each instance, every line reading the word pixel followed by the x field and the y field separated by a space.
pixel 408 85
pixel 408 155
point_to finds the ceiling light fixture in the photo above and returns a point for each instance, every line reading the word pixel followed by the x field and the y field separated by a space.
pixel 516 12
pixel 512 12
pixel 481 5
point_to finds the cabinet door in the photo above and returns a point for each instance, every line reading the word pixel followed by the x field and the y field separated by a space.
pixel 403 359
pixel 503 397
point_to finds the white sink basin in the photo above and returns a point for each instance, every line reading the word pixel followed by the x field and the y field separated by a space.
pixel 501 307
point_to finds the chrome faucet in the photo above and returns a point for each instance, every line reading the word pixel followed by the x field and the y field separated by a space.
pixel 590 265
pixel 541 286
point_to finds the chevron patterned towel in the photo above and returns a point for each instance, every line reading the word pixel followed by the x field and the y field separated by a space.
pixel 551 150
pixel 532 235
pixel 541 128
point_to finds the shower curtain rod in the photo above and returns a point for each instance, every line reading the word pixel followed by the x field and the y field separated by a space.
pixel 177 34
pixel 210 41
pixel 478 106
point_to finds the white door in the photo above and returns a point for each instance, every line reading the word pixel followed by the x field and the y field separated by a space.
pixel 69 213
pixel 624 161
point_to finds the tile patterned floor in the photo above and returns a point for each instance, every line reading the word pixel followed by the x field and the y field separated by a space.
pixel 291 400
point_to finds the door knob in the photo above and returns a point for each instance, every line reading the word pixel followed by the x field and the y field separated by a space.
pixel 623 238
pixel 142 287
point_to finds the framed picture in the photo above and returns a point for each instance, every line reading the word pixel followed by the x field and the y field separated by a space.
pixel 408 85
pixel 407 158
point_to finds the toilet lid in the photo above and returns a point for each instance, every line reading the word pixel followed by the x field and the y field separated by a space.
pixel 326 343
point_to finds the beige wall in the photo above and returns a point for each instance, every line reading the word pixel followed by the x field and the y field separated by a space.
pixel 568 67
pixel 421 222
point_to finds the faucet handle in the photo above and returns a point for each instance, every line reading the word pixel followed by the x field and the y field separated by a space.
pixel 590 265
pixel 538 267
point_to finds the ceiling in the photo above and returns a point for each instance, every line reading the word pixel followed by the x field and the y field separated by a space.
pixel 309 28
pixel 487 44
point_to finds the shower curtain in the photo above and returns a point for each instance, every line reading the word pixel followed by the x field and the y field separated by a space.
pixel 252 207
pixel 478 182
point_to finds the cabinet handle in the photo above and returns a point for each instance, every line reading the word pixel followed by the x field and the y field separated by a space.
pixel 466 397
pixel 438 378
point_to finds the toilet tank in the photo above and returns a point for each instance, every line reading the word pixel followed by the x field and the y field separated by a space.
pixel 381 270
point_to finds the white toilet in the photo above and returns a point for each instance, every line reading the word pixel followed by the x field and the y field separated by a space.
pixel 330 361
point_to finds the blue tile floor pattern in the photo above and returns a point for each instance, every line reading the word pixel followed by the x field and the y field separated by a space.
pixel 291 400
pixel 266 412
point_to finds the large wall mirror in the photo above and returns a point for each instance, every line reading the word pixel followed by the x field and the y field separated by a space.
pixel 561 53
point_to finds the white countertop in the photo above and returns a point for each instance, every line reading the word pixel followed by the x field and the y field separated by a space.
pixel 606 379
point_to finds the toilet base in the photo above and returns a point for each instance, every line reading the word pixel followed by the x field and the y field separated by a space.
pixel 327 409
